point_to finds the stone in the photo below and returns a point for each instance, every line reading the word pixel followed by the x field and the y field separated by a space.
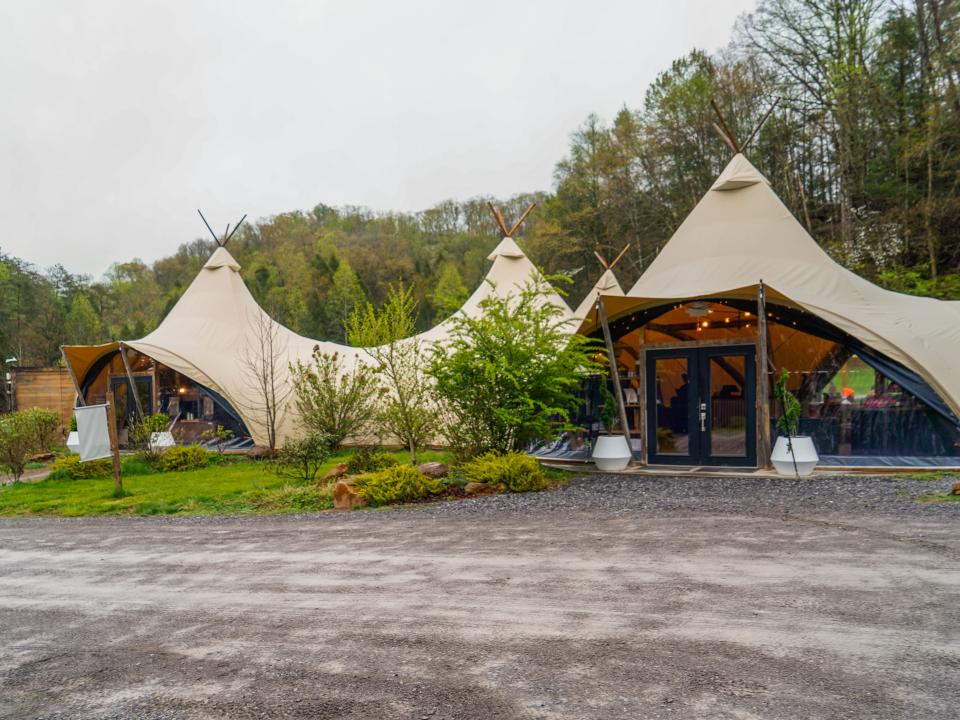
pixel 346 497
pixel 475 488
pixel 337 472
pixel 956 489
pixel 434 469
pixel 260 452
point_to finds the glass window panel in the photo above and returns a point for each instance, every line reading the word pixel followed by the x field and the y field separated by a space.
pixel 673 392
pixel 728 412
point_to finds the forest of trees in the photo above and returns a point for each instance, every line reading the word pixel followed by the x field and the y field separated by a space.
pixel 863 146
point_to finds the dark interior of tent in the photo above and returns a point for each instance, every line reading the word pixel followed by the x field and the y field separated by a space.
pixel 192 408
pixel 688 377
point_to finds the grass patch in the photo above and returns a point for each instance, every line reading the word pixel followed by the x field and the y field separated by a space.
pixel 938 497
pixel 233 487
pixel 928 475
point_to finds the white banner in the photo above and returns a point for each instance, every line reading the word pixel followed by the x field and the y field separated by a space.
pixel 93 432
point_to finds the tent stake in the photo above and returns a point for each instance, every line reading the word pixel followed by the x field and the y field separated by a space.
pixel 763 382
pixel 614 373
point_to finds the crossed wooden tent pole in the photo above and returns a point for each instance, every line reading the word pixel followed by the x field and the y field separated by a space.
pixel 610 265
pixel 502 224
pixel 227 234
pixel 727 134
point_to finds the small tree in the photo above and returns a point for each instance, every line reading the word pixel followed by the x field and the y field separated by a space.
pixel 334 402
pixel 219 437
pixel 18 441
pixel 301 458
pixel 264 362
pixel 141 435
pixel 408 411
pixel 512 374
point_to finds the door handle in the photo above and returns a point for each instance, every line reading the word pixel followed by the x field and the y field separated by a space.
pixel 703 417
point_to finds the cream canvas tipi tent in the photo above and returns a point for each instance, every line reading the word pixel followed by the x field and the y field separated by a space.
pixel 741 233
pixel 217 324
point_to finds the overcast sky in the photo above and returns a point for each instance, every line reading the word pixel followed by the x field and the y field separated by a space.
pixel 119 118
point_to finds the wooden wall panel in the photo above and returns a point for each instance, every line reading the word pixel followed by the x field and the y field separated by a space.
pixel 48 388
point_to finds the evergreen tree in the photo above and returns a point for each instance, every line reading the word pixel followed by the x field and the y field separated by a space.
pixel 450 293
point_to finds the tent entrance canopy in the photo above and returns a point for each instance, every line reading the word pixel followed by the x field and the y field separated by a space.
pixel 861 407
pixel 192 406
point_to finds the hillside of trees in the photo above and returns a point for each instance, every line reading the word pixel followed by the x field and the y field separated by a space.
pixel 863 146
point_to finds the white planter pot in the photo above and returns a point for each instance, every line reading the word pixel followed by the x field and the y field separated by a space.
pixel 161 440
pixel 804 452
pixel 611 453
pixel 73 442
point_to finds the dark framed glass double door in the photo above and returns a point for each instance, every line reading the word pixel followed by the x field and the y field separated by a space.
pixel 701 406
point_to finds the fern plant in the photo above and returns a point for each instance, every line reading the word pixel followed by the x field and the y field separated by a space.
pixel 789 420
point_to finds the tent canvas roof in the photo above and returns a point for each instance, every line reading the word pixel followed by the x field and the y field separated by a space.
pixel 216 322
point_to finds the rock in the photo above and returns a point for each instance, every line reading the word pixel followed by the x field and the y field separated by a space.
pixel 337 472
pixel 260 452
pixel 956 489
pixel 475 488
pixel 434 469
pixel 346 497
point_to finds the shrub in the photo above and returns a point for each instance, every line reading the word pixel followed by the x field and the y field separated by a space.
pixel 334 402
pixel 45 423
pixel 511 374
pixel 70 467
pixel 515 471
pixel 184 457
pixel 141 432
pixel 397 484
pixel 301 458
pixel 369 459
pixel 18 441
pixel 218 437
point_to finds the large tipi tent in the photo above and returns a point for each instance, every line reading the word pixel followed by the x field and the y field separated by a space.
pixel 741 233
pixel 217 323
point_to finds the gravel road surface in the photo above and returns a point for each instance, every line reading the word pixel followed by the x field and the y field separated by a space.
pixel 615 597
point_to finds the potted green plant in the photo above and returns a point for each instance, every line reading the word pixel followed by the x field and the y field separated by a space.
pixel 611 452
pixel 793 454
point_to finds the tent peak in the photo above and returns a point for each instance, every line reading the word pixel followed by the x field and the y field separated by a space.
pixel 221 258
pixel 507 248
pixel 739 173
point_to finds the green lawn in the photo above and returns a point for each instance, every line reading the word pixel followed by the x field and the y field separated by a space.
pixel 236 487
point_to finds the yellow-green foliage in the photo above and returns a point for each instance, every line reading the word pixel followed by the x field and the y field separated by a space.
pixel 184 457
pixel 515 471
pixel 369 459
pixel 397 484
pixel 70 467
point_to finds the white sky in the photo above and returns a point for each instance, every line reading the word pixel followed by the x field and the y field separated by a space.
pixel 118 118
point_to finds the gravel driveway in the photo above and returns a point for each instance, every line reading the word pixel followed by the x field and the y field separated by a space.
pixel 627 597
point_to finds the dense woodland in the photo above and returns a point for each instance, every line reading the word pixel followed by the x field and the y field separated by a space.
pixel 863 146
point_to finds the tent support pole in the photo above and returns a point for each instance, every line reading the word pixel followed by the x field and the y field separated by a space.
pixel 763 382
pixel 133 384
pixel 114 442
pixel 614 373
pixel 73 378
